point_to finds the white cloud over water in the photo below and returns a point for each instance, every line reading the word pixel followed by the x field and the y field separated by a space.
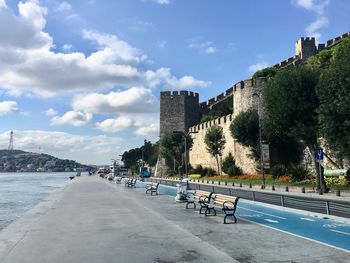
pixel 84 149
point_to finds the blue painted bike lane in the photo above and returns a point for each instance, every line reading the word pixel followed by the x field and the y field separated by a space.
pixel 321 229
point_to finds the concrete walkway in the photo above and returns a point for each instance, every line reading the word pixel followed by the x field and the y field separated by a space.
pixel 92 220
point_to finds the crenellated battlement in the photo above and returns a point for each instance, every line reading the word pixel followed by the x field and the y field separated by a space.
pixel 206 125
pixel 179 93
pixel 335 40
pixel 222 96
pixel 306 47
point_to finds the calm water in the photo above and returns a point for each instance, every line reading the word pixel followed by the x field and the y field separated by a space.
pixel 20 192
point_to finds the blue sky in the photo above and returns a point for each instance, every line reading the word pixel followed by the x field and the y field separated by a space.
pixel 81 79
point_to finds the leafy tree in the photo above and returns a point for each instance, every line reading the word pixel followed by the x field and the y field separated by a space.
pixel 321 60
pixel 291 109
pixel 333 91
pixel 268 73
pixel 173 149
pixel 148 151
pixel 131 157
pixel 245 129
pixel 215 142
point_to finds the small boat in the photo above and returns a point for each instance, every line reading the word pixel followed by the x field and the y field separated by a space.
pixel 71 177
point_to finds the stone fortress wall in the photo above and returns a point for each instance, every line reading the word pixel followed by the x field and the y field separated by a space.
pixel 180 111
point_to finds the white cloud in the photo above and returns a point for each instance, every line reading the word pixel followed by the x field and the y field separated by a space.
pixel 318 7
pixel 7 107
pixel 163 2
pixel 74 118
pixel 142 124
pixel 50 112
pixel 314 27
pixel 134 100
pixel 30 65
pixel 84 149
pixel 202 47
pixel 114 125
pixel 258 66
pixel 64 7
pixel 112 50
pixel 163 77
pixel 3 4
pixel 67 47
pixel 148 130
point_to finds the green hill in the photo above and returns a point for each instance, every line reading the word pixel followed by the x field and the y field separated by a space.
pixel 21 161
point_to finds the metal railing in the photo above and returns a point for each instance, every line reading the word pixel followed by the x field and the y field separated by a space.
pixel 312 204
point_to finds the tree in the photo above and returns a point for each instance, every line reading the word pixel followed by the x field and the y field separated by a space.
pixel 291 105
pixel 333 91
pixel 173 149
pixel 215 142
pixel 148 151
pixel 245 129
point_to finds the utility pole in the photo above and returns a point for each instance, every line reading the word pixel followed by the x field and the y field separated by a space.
pixel 11 141
pixel 260 140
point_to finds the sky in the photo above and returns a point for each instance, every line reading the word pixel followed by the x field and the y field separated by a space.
pixel 81 79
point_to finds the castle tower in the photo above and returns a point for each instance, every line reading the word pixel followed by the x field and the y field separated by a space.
pixel 305 47
pixel 178 111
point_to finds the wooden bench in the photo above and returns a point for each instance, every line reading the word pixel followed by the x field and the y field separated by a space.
pixel 199 196
pixel 227 204
pixel 152 188
pixel 130 183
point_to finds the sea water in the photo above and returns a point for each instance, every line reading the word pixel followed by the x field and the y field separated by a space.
pixel 20 192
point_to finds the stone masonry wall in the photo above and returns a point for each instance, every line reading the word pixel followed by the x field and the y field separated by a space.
pixel 178 111
pixel 243 99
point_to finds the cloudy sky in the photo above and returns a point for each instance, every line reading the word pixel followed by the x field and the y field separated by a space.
pixel 81 79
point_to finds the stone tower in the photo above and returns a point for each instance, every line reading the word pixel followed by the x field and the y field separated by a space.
pixel 305 47
pixel 178 111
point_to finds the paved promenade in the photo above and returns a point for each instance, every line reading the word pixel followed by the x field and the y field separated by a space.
pixel 92 220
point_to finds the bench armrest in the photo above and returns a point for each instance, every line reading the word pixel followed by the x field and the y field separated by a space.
pixel 229 205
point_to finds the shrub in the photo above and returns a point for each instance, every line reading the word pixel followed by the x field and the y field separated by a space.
pixel 229 166
pixel 298 172
pixel 203 171
pixel 347 176
pixel 278 170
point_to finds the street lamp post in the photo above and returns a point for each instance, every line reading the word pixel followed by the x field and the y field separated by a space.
pixel 260 140
pixel 185 137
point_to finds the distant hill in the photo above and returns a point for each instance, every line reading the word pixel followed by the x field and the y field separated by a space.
pixel 21 161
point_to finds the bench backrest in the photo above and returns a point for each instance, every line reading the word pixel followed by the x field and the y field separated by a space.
pixel 154 185
pixel 199 193
pixel 220 199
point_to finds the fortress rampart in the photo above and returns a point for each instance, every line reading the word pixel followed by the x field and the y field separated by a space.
pixel 180 111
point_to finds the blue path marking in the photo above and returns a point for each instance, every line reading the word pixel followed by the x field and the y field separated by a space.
pixel 328 231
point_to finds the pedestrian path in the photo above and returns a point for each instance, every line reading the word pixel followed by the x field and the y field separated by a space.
pixel 93 220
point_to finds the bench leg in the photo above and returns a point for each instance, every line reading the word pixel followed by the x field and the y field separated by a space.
pixel 208 211
pixel 233 215
pixel 194 205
